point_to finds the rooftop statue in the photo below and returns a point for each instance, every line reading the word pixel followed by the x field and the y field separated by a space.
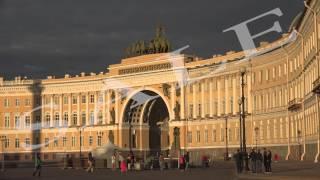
pixel 160 44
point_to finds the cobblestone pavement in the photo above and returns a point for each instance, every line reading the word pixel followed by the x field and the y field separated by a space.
pixel 220 171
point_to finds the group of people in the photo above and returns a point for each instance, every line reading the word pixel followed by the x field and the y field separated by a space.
pixel 184 160
pixel 123 164
pixel 257 160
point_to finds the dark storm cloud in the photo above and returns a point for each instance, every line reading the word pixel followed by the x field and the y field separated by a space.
pixel 54 37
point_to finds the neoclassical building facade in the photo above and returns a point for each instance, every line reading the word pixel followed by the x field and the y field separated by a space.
pixel 169 101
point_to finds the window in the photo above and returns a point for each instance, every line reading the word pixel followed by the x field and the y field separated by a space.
pixel 46 142
pixel 65 119
pixel 199 113
pixel 27 142
pixel 198 136
pixel 214 135
pixel 229 134
pixel 6 143
pixel 64 141
pixel 74 100
pixel 222 134
pixel 206 136
pixel 17 102
pixel 100 117
pixel 56 100
pixel 17 121
pixel 90 140
pixel 83 99
pixel 55 142
pixel 47 120
pixel 27 102
pixel 28 121
pixel 17 143
pixel 91 118
pixel 83 118
pixel 73 141
pixel 56 119
pixel 99 140
pixel 100 99
pixel 92 98
pixel 7 121
pixel 191 111
pixel 6 103
pixel 189 136
pixel 65 100
pixel 46 100
pixel 74 118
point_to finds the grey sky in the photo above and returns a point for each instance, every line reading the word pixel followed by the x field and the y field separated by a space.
pixel 54 37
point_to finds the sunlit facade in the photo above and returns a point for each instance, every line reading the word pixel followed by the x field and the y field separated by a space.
pixel 169 102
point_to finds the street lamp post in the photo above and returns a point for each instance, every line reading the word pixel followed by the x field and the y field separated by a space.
pixel 256 130
pixel 243 115
pixel 299 142
pixel 240 122
pixel 226 158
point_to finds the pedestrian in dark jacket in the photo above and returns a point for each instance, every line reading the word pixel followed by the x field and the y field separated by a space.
pixel 37 164
pixel 253 158
pixel 238 160
pixel 269 160
pixel 265 164
pixel 187 159
pixel 259 161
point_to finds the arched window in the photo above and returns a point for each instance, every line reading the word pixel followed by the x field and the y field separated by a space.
pixel 65 119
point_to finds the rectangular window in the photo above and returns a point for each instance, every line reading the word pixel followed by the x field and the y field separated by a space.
pixel 17 102
pixel 214 135
pixel 64 141
pixel 65 119
pixel 74 100
pixel 92 98
pixel 99 140
pixel 222 134
pixel 28 121
pixel 55 142
pixel 7 121
pixel 83 118
pixel 27 142
pixel 206 136
pixel 191 111
pixel 17 143
pixel 46 142
pixel 6 143
pixel 83 99
pixel 27 102
pixel 189 136
pixel 65 99
pixel 198 136
pixel 73 141
pixel 17 121
pixel 6 103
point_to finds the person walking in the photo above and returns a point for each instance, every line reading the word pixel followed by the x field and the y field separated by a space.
pixel 253 159
pixel 37 164
pixel 90 163
pixel 265 159
pixel 238 160
pixel 187 159
pixel 113 161
pixel 259 162
pixel 181 162
pixel 269 160
pixel 123 164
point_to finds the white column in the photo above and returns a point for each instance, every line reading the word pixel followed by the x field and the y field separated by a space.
pixel 69 109
pixel 78 110
pixel 173 98
pixel 117 96
pixel 60 110
pixel 219 96
pixel 104 121
pixel 96 109
pixel 51 111
pixel 108 107
pixel 211 101
pixel 182 101
pixel 43 115
pixel 87 109
pixel 249 94
pixel 203 105
pixel 194 100
pixel 227 99
pixel 235 99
